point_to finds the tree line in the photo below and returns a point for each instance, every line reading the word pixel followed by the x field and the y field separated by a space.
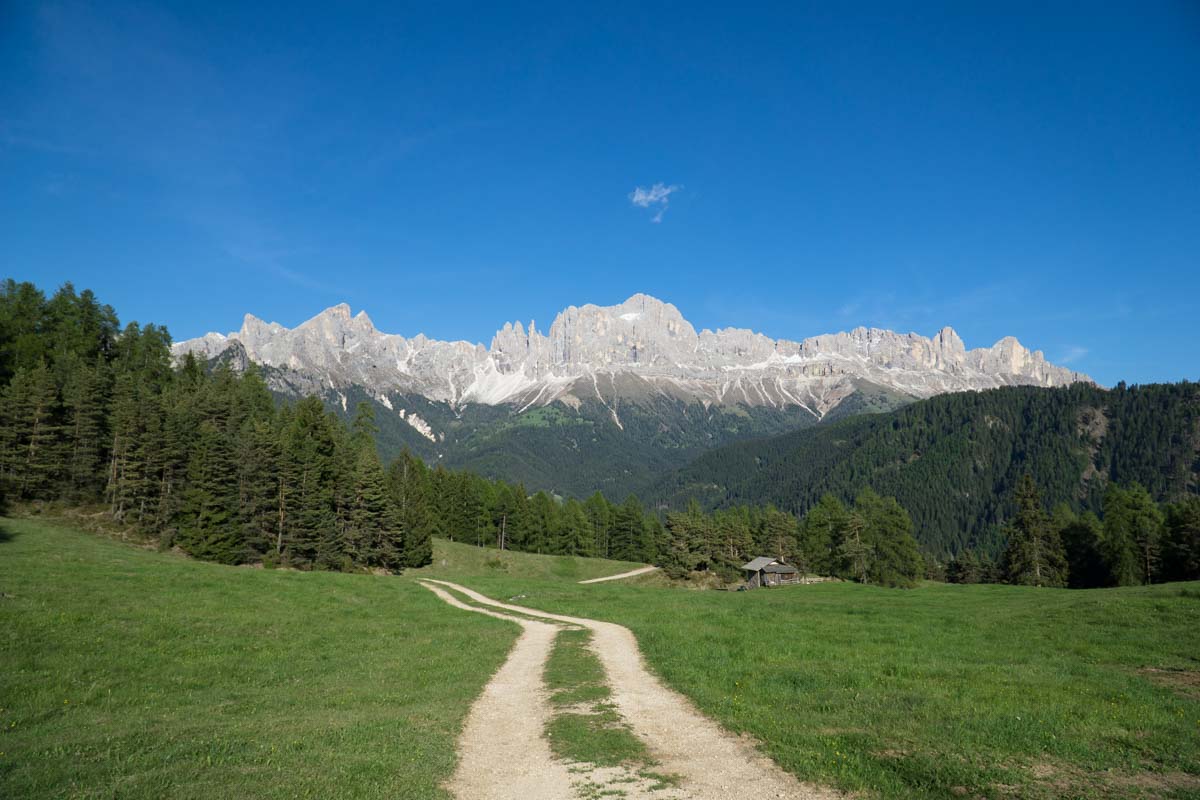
pixel 869 541
pixel 1134 541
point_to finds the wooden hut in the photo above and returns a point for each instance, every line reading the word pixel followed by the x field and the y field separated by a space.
pixel 767 571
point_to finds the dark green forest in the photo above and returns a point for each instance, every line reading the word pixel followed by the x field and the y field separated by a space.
pixel 954 461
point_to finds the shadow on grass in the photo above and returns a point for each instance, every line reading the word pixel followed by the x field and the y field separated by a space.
pixel 6 534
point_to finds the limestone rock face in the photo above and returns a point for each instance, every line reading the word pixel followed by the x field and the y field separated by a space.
pixel 640 348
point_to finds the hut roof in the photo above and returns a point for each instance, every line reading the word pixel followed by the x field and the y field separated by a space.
pixel 785 569
pixel 758 563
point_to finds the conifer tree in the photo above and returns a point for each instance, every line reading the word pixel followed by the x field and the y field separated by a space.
pixel 894 559
pixel 854 553
pixel 31 434
pixel 308 457
pixel 258 461
pixel 85 406
pixel 369 540
pixel 541 525
pixel 1132 532
pixel 600 515
pixel 1083 544
pixel 1181 545
pixel 628 533
pixel 408 485
pixel 822 527
pixel 777 534
pixel 207 521
pixel 1034 553
pixel 574 531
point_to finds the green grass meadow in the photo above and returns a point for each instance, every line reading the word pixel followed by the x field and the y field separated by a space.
pixel 126 672
pixel 135 674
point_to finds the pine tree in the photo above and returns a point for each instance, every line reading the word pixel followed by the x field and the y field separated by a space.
pixel 575 531
pixel 408 485
pixel 370 540
pixel 964 568
pixel 1132 532
pixel 258 459
pixel 124 466
pixel 686 549
pixel 1181 541
pixel 85 404
pixel 600 515
pixel 307 485
pixel 628 532
pixel 1034 554
pixel 821 528
pixel 732 539
pixel 31 434
pixel 854 553
pixel 208 525
pixel 894 557
pixel 777 534
pixel 541 526
pixel 1083 543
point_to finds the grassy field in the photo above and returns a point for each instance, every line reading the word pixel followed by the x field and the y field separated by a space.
pixel 455 561
pixel 942 691
pixel 129 673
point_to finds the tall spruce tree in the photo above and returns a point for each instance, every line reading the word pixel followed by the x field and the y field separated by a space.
pixel 31 434
pixel 822 527
pixel 628 534
pixel 1132 532
pixel 1181 541
pixel 408 484
pixel 1034 553
pixel 1083 543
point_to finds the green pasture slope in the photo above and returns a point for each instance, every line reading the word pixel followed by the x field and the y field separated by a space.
pixel 135 674
pixel 130 673
pixel 937 692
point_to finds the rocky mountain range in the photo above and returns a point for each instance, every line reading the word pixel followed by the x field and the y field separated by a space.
pixel 641 346
pixel 610 397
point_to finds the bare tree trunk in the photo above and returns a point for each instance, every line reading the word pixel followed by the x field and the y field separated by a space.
pixel 279 530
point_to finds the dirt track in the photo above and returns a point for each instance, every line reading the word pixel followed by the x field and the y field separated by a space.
pixel 711 763
pixel 502 754
pixel 632 573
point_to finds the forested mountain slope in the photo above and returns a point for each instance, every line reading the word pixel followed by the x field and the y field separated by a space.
pixel 953 460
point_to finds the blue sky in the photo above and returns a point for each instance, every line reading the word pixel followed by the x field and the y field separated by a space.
pixel 1024 169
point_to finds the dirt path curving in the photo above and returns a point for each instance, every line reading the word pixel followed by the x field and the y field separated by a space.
pixel 711 763
pixel 631 574
pixel 502 754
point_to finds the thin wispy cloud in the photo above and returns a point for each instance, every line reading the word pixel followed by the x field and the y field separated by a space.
pixel 1072 354
pixel 657 195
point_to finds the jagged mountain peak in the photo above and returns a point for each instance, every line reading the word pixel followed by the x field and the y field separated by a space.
pixel 642 336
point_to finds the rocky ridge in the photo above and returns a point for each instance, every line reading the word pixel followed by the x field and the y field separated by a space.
pixel 640 348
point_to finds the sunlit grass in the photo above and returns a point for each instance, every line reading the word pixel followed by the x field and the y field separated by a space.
pixel 933 692
pixel 129 673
